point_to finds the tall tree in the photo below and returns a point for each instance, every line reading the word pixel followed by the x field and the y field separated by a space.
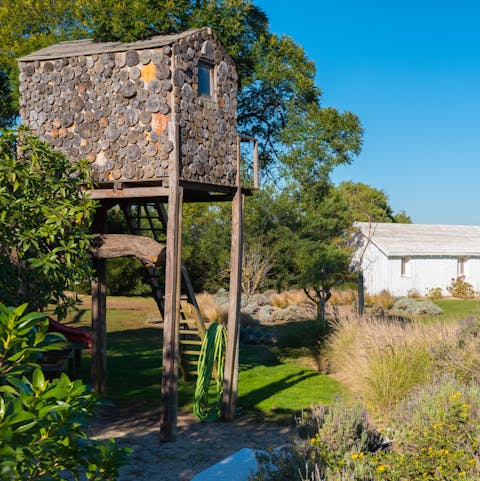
pixel 278 101
pixel 368 204
pixel 44 222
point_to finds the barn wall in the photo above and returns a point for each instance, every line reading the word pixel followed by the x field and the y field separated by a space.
pixel 423 273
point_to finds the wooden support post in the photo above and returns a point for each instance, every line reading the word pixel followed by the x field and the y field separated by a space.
pixel 99 312
pixel 168 416
pixel 230 378
pixel 168 421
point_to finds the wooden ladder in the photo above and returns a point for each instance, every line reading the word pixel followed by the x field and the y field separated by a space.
pixel 150 219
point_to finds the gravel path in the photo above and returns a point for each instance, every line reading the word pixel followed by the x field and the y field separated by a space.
pixel 198 445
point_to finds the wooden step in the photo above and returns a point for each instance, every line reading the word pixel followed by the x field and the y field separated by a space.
pixel 190 342
pixel 194 353
pixel 189 332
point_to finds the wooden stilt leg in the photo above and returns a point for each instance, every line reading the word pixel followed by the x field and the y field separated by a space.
pixel 230 379
pixel 99 313
pixel 99 327
pixel 168 421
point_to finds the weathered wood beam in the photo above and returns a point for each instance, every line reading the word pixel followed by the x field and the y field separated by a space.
pixel 230 377
pixel 128 193
pixel 109 246
pixel 99 313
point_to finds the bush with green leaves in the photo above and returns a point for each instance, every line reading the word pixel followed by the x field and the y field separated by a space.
pixel 333 444
pixel 416 307
pixel 435 293
pixel 460 288
pixel 435 435
pixel 44 222
pixel 42 422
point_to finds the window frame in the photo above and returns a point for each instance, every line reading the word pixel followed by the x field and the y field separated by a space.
pixel 207 65
pixel 461 266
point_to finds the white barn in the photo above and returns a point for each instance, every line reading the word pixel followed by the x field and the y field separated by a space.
pixel 406 257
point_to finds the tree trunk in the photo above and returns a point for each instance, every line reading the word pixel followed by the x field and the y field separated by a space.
pixel 109 246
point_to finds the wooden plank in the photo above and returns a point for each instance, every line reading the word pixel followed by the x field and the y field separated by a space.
pixel 168 420
pixel 129 193
pixel 169 408
pixel 230 378
pixel 99 312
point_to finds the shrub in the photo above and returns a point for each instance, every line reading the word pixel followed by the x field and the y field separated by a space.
pixel 381 361
pixel 345 297
pixel 42 423
pixel 435 293
pixel 435 435
pixel 415 307
pixel 461 288
pixel 211 310
pixel 331 441
pixel 44 222
pixel 460 356
pixel 289 298
pixel 414 294
pixel 383 299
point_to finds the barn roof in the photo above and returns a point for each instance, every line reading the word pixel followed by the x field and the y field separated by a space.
pixel 90 47
pixel 423 239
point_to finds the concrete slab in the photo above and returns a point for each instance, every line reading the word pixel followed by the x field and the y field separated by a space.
pixel 237 467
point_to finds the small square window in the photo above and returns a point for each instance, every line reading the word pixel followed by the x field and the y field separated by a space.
pixel 205 79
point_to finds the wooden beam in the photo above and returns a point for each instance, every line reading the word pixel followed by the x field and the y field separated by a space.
pixel 128 193
pixel 168 420
pixel 230 377
pixel 169 408
pixel 99 313
pixel 110 246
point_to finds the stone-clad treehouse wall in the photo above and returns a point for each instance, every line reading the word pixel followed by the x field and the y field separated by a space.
pixel 112 104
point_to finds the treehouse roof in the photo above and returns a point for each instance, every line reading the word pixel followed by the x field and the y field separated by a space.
pixel 90 47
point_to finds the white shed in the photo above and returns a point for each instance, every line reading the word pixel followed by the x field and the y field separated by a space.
pixel 406 257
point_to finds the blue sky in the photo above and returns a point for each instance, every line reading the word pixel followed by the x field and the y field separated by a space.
pixel 411 71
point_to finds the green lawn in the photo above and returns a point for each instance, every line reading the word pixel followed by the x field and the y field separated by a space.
pixel 134 358
pixel 459 308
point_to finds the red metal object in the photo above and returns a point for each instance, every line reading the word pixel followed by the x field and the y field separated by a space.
pixel 72 334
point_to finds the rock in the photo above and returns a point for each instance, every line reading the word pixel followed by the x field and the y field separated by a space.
pixel 265 314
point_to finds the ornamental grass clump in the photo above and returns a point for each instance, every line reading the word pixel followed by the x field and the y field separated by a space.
pixel 381 361
pixel 460 356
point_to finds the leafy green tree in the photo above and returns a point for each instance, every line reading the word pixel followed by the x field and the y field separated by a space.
pixel 322 254
pixel 44 222
pixel 42 422
pixel 26 26
pixel 368 204
pixel 278 103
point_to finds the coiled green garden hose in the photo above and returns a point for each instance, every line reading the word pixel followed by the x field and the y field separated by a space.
pixel 206 406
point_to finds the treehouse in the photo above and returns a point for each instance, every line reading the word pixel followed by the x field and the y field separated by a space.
pixel 157 121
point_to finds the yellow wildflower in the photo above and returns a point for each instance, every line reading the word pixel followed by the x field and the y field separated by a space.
pixel 381 468
pixel 354 456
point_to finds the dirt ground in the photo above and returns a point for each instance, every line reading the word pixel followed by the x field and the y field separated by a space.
pixel 198 446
